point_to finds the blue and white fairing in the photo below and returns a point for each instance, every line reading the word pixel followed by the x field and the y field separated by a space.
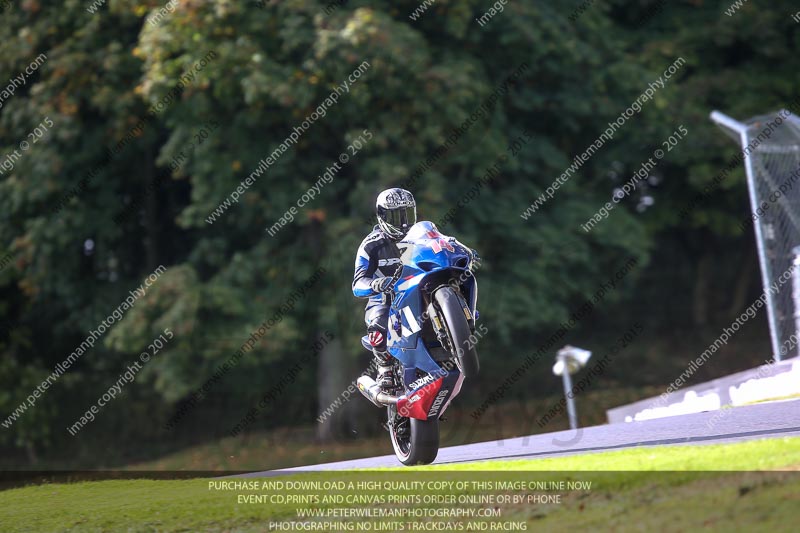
pixel 425 253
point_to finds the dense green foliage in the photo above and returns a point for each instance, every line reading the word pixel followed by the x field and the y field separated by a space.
pixel 121 183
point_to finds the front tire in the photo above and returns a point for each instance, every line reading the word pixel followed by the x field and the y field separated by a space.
pixel 415 442
pixel 458 332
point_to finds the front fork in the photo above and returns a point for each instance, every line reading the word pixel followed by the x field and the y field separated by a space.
pixel 436 319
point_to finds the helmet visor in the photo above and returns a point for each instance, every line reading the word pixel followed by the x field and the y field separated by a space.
pixel 400 218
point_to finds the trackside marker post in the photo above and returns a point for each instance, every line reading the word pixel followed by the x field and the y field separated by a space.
pixel 569 360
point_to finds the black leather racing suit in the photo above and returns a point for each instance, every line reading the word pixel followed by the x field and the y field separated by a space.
pixel 377 257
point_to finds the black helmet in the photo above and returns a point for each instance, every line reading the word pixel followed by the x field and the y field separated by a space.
pixel 397 211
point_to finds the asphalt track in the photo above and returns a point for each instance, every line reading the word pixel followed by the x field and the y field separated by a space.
pixel 766 420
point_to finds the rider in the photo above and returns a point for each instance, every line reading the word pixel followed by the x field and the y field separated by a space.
pixel 377 260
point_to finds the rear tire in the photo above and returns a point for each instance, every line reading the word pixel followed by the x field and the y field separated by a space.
pixel 420 447
pixel 458 331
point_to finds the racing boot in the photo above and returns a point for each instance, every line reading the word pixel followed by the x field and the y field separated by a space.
pixel 385 366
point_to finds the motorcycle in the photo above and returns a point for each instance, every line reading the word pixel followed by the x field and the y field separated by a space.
pixel 431 323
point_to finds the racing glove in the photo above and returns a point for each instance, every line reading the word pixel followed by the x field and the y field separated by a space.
pixel 382 285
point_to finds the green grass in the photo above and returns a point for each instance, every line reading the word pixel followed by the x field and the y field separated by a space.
pixel 773 399
pixel 766 454
pixel 629 493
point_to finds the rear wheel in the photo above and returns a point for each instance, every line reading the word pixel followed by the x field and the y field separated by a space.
pixel 415 442
pixel 458 331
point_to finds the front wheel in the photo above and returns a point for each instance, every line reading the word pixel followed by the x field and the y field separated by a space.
pixel 415 442
pixel 458 332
